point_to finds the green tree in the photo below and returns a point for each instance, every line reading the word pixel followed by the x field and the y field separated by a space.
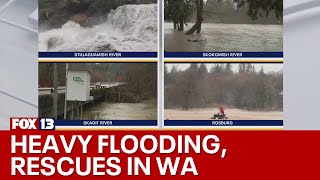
pixel 258 8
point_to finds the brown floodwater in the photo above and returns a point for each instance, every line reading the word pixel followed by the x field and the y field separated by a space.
pixel 225 37
pixel 121 111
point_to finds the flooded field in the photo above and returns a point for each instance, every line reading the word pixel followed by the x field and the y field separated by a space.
pixel 225 37
pixel 121 111
pixel 232 114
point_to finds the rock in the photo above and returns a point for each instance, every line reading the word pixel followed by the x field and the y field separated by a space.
pixel 146 2
pixel 57 19
pixel 77 6
pixel 54 42
pixel 80 18
pixel 55 13
pixel 95 20
pixel 105 48
pixel 101 8
pixel 52 14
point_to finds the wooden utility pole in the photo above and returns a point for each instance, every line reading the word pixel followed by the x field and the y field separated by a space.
pixel 55 90
pixel 65 94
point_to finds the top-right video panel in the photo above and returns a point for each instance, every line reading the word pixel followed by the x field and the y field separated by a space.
pixel 252 27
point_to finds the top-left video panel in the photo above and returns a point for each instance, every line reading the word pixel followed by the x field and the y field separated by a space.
pixel 98 29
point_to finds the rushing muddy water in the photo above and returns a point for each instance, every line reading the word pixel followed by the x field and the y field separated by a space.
pixel 121 111
pixel 225 37
pixel 128 28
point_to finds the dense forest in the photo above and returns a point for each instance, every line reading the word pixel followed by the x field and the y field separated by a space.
pixel 247 88
pixel 180 12
pixel 141 78
pixel 55 13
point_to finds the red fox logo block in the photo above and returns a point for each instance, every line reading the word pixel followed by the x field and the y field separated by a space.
pixel 24 123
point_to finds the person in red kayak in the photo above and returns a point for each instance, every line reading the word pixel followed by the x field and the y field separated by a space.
pixel 221 111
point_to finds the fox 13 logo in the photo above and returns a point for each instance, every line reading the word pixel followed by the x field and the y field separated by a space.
pixel 32 124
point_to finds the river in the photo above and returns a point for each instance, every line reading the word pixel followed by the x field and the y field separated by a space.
pixel 129 28
pixel 121 111
pixel 226 37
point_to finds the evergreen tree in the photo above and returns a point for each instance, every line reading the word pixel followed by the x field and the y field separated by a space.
pixel 242 68
pixel 248 68
pixel 261 73
pixel 262 8
pixel 246 89
pixel 228 68
pixel 174 73
pixel 166 75
pixel 202 71
pixel 217 68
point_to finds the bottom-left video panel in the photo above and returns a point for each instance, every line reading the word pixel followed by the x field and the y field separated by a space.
pixel 80 96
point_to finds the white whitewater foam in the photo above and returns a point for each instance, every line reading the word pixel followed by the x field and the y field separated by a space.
pixel 128 28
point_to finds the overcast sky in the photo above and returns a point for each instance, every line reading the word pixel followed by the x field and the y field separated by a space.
pixel 267 67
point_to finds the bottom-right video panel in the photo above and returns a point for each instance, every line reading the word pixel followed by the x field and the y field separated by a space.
pixel 223 96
